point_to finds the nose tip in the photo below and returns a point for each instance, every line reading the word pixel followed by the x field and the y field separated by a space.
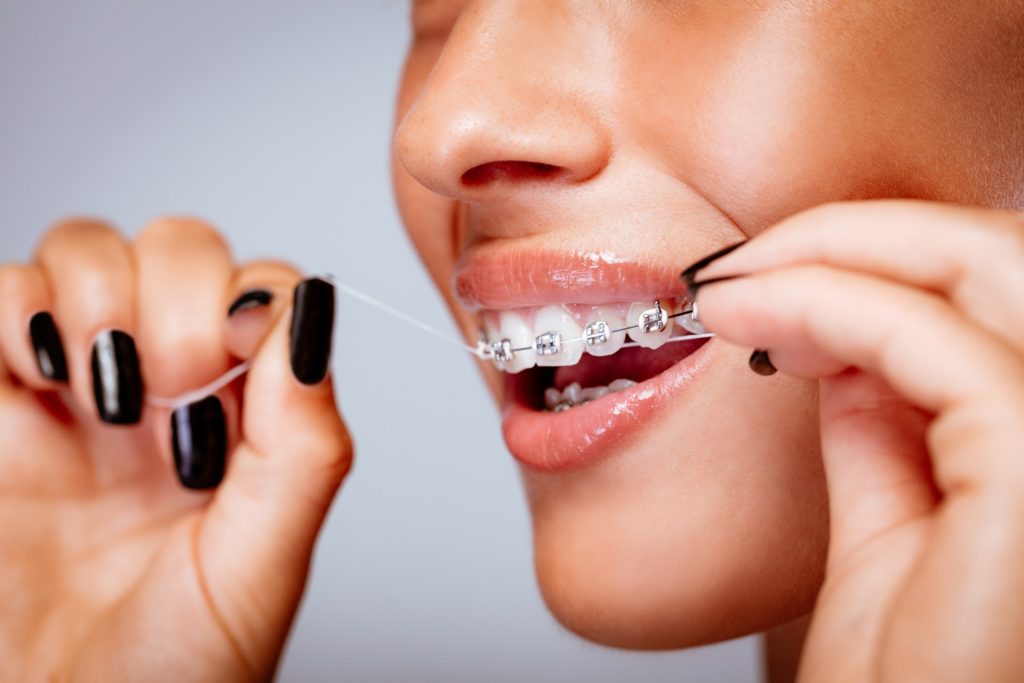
pixel 462 147
pixel 492 116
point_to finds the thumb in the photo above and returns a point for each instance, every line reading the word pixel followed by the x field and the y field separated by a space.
pixel 875 457
pixel 258 533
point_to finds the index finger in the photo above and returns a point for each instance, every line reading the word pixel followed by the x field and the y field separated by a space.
pixel 972 256
pixel 818 321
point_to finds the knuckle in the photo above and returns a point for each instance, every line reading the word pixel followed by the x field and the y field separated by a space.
pixel 328 446
pixel 267 273
pixel 14 278
pixel 177 229
pixel 1009 236
pixel 998 240
pixel 75 231
pixel 274 268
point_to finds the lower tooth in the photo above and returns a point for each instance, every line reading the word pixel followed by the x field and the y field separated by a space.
pixel 621 385
pixel 552 397
pixel 573 393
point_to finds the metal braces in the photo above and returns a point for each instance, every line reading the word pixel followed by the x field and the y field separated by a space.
pixel 598 332
pixel 550 343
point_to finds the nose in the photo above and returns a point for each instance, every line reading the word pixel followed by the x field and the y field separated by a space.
pixel 511 102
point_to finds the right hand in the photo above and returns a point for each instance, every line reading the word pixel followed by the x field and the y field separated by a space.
pixel 112 568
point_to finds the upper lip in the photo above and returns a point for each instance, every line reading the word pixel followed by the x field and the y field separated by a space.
pixel 493 276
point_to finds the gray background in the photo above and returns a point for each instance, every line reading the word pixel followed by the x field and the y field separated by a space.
pixel 272 120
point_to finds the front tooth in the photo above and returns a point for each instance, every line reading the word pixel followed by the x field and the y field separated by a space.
pixel 555 319
pixel 573 393
pixel 691 321
pixel 492 333
pixel 515 328
pixel 610 317
pixel 650 340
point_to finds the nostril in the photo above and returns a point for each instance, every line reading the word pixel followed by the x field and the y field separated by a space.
pixel 510 171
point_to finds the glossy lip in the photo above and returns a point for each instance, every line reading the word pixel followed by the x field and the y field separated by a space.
pixel 560 441
pixel 504 278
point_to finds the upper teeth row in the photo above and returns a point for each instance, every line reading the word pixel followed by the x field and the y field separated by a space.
pixel 557 339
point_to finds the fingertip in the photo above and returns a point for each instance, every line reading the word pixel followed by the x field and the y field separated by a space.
pixel 289 395
pixel 29 335
pixel 249 318
pixel 761 363
pixel 250 299
pixel 118 387
pixel 199 443
pixel 258 296
pixel 312 330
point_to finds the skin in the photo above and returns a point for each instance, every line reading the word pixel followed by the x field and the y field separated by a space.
pixel 113 571
pixel 750 112
pixel 878 473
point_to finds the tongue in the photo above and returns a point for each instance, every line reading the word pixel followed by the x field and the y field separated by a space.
pixel 637 364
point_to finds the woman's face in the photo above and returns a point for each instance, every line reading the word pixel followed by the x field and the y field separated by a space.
pixel 579 154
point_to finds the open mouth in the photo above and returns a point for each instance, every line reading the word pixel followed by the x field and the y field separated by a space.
pixel 593 378
pixel 557 418
pixel 567 356
pixel 581 379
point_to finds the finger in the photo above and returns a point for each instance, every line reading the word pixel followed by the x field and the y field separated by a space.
pixel 817 321
pixel 29 337
pixel 974 256
pixel 823 319
pixel 261 291
pixel 88 267
pixel 262 523
pixel 875 458
pixel 199 438
pixel 183 273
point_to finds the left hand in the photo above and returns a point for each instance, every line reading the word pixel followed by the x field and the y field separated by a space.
pixel 911 315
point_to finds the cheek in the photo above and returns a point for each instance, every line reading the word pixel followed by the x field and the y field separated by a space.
pixel 762 133
pixel 713 528
pixel 771 112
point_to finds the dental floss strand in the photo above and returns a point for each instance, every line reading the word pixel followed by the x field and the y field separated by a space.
pixel 654 320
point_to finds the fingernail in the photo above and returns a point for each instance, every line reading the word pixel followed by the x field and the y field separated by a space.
pixel 117 378
pixel 761 363
pixel 199 435
pixel 312 329
pixel 251 298
pixel 48 347
pixel 689 275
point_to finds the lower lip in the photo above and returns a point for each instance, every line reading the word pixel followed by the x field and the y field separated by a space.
pixel 554 442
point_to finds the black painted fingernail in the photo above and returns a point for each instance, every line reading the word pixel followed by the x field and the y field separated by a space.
pixel 689 275
pixel 117 378
pixel 312 329
pixel 761 363
pixel 199 435
pixel 251 298
pixel 695 287
pixel 48 346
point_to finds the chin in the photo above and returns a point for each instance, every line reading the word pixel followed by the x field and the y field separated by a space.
pixel 662 546
pixel 625 602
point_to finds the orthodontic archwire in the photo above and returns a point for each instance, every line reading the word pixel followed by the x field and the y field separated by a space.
pixel 650 321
